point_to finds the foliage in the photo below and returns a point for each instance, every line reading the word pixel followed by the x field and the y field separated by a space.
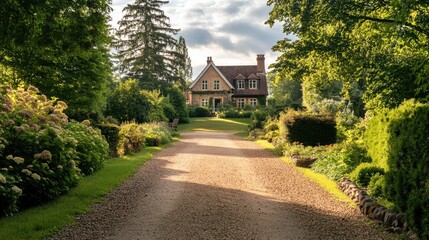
pixel 366 52
pixel 177 100
pixel 61 47
pixel 184 67
pixel 111 134
pixel 258 118
pixel 397 141
pixel 156 134
pixel 36 149
pixel 271 129
pixel 131 138
pixel 198 111
pixel 128 103
pixel 231 112
pixel 145 43
pixel 91 148
pixel 364 172
pixel 377 186
pixel 307 128
pixel 284 92
pixel 156 107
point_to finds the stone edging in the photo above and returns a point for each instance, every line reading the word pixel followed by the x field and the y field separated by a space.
pixel 392 222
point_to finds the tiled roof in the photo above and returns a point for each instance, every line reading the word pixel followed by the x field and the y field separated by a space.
pixel 233 72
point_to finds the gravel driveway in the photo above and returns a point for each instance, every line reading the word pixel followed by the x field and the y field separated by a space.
pixel 218 186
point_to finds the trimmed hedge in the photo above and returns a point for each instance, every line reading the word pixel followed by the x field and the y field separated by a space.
pixel 364 172
pixel 398 141
pixel 307 128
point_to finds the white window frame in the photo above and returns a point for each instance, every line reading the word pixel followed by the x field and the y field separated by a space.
pixel 204 102
pixel 241 102
pixel 240 84
pixel 216 85
pixel 204 85
pixel 253 84
pixel 253 102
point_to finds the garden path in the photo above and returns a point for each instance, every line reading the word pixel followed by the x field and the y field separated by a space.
pixel 219 186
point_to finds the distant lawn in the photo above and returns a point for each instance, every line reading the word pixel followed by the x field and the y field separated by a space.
pixel 41 222
pixel 213 124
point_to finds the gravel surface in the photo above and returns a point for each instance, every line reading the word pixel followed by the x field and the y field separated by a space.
pixel 218 186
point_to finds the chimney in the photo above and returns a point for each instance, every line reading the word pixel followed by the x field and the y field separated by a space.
pixel 260 59
pixel 209 60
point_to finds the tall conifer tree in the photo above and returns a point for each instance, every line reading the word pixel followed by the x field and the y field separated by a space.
pixel 145 44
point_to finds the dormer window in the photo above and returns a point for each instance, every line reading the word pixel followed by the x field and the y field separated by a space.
pixel 240 84
pixel 216 85
pixel 204 85
pixel 253 84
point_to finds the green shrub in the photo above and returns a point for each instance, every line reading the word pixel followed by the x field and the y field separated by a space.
pixel 91 149
pixel 131 138
pixel 307 128
pixel 156 134
pixel 257 119
pixel 364 172
pixel 111 134
pixel 230 112
pixel 197 111
pixel 9 193
pixel 128 103
pixel 377 186
pixel 398 141
pixel 36 150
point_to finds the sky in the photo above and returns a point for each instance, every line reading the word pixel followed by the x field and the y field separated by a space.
pixel 232 32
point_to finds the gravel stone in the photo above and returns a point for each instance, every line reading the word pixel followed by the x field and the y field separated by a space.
pixel 219 186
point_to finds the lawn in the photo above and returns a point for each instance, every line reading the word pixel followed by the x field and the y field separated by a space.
pixel 213 124
pixel 41 222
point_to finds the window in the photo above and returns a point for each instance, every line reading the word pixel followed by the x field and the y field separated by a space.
pixel 204 85
pixel 240 84
pixel 253 102
pixel 253 84
pixel 240 103
pixel 216 84
pixel 204 102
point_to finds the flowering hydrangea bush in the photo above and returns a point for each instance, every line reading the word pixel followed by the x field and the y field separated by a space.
pixel 91 149
pixel 39 153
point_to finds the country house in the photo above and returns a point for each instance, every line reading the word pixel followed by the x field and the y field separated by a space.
pixel 239 86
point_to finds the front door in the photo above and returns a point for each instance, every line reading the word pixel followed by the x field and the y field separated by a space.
pixel 217 103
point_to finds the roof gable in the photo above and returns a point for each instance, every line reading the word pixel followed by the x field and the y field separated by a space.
pixel 211 64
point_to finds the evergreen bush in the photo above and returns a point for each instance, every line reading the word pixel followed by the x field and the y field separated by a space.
pixel 307 128
pixel 398 141
pixel 198 111
pixel 364 172
pixel 111 134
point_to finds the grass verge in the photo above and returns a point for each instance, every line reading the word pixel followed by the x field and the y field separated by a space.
pixel 326 183
pixel 213 124
pixel 42 221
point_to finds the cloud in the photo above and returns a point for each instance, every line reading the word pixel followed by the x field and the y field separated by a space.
pixel 232 31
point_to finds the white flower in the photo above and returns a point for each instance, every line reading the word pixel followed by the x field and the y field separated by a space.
pixel 46 155
pixel 17 189
pixel 9 157
pixel 26 171
pixel 35 176
pixel 60 167
pixel 18 160
pixel 2 178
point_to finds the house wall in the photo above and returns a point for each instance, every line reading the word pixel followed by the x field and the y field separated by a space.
pixel 210 75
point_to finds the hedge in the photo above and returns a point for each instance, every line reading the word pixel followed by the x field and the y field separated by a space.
pixel 307 128
pixel 398 141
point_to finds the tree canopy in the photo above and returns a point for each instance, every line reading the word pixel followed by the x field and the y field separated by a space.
pixel 61 47
pixel 377 49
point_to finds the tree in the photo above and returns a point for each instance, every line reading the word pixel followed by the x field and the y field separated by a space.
pixel 377 48
pixel 184 68
pixel 61 47
pixel 284 92
pixel 145 44
pixel 127 103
